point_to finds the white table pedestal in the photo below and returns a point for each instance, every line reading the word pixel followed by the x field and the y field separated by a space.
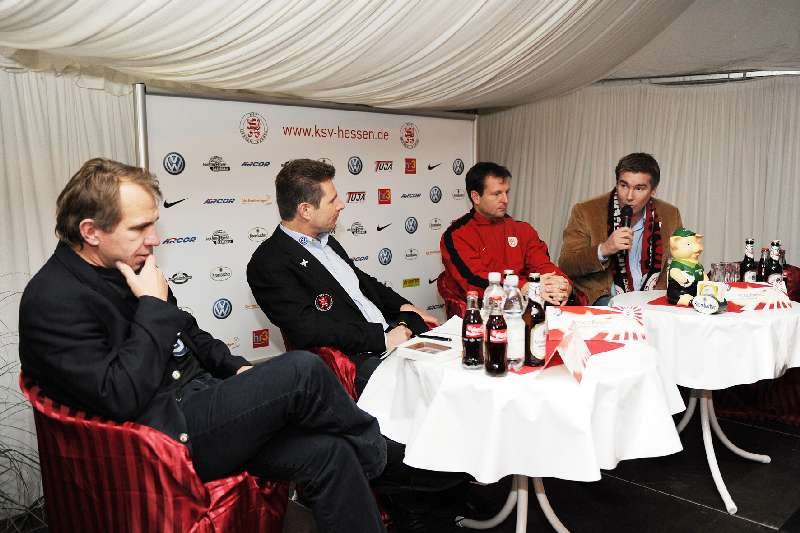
pixel 708 421
pixel 518 496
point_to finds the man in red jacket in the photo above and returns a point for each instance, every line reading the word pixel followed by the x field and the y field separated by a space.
pixel 487 240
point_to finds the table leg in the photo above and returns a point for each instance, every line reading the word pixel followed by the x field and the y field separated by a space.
pixel 538 488
pixel 518 496
pixel 497 519
pixel 759 458
pixel 712 458
pixel 687 415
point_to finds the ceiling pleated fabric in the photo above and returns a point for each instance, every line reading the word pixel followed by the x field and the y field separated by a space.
pixel 445 54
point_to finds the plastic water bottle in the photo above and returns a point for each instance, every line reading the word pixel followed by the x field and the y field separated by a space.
pixel 493 291
pixel 512 312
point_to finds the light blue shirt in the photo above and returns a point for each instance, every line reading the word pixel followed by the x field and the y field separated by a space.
pixel 634 256
pixel 341 272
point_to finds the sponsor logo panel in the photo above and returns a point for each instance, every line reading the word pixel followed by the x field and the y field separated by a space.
pixel 383 165
pixel 411 224
pixel 356 197
pixel 458 167
pixel 435 194
pixel 260 338
pixel 220 273
pixel 410 283
pixel 384 196
pixel 357 228
pixel 217 164
pixel 219 201
pixel 179 278
pixel 179 240
pixel 174 163
pixel 220 237
pixel 258 234
pixel 355 165
pixel 385 256
pixel 222 308
pixel 411 165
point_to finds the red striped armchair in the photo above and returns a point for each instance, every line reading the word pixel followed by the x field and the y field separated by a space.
pixel 101 476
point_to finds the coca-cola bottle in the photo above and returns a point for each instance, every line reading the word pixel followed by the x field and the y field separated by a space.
pixel 535 331
pixel 472 334
pixel 774 270
pixel 747 268
pixel 496 340
pixel 761 275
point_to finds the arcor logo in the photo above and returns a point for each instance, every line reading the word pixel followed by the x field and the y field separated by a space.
pixel 179 240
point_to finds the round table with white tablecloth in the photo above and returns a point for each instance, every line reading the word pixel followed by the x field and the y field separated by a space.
pixel 540 424
pixel 709 352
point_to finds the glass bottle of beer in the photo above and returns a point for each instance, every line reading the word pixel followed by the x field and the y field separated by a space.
pixel 496 340
pixel 761 275
pixel 472 334
pixel 774 270
pixel 535 331
pixel 747 268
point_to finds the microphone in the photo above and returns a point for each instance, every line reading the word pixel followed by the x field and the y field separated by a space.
pixel 627 214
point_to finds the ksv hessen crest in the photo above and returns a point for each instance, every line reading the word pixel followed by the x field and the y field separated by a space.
pixel 512 242
pixel 253 128
pixel 409 135
pixel 323 302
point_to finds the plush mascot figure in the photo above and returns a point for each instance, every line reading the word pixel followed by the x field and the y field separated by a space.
pixel 685 270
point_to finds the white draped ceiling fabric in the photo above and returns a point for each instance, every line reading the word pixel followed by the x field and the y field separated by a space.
pixel 453 54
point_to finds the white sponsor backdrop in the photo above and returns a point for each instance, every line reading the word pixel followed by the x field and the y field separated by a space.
pixel 217 161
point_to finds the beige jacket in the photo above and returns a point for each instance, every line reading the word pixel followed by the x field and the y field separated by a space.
pixel 587 228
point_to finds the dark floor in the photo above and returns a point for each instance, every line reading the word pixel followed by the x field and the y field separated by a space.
pixel 674 493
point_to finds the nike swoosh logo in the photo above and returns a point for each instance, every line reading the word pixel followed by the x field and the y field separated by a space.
pixel 381 228
pixel 430 281
pixel 431 167
pixel 170 204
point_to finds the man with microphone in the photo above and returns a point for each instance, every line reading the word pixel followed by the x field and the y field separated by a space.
pixel 617 242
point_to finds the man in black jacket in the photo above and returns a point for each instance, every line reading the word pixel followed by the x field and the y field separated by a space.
pixel 100 331
pixel 309 287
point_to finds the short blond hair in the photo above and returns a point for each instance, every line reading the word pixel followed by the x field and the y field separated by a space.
pixel 93 192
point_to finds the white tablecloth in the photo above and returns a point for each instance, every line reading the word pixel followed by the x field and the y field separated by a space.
pixel 719 351
pixel 542 424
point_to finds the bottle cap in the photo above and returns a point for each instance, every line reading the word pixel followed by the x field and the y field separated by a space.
pixel 494 277
pixel 512 279
pixel 534 276
pixel 472 293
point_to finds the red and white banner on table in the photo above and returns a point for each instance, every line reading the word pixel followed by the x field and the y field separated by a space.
pixel 575 333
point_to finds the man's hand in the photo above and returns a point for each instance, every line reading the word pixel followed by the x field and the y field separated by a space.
pixel 396 336
pixel 554 289
pixel 148 282
pixel 427 317
pixel 620 239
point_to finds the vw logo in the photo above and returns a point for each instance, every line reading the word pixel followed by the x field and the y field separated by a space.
pixel 435 194
pixel 174 163
pixel 411 224
pixel 222 308
pixel 354 165
pixel 458 167
pixel 385 256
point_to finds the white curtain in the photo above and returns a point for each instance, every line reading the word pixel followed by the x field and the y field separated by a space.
pixel 729 156
pixel 455 54
pixel 49 125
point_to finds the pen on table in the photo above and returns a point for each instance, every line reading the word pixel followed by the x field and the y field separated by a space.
pixel 433 337
pixel 387 353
